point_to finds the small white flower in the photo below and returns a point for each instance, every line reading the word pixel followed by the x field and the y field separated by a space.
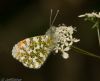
pixel 71 43
pixel 90 15
pixel 82 15
pixel 65 55
pixel 66 44
pixel 67 49
pixel 57 48
pixel 64 39
pixel 93 14
pixel 76 40
pixel 70 29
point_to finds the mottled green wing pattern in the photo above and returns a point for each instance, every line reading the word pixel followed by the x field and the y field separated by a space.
pixel 32 52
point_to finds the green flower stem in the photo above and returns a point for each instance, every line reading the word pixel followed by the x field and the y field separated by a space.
pixel 84 52
pixel 98 34
pixel 96 25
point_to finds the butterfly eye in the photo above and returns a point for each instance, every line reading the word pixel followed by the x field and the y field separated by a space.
pixel 33 52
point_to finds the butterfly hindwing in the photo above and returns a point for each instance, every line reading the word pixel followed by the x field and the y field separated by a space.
pixel 32 52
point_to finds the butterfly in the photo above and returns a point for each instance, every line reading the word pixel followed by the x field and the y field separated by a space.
pixel 32 52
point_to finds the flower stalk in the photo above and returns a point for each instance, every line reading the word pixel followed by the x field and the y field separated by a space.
pixel 96 25
pixel 76 49
pixel 98 33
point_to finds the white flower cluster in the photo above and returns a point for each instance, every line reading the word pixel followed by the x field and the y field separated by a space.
pixel 93 14
pixel 64 39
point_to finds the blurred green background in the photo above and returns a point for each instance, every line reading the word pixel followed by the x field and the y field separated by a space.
pixel 21 19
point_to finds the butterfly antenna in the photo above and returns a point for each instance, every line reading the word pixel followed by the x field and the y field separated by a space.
pixel 50 16
pixel 55 17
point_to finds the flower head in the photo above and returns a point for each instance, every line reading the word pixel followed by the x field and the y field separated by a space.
pixel 94 16
pixel 64 40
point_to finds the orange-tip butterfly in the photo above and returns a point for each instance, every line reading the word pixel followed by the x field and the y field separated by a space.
pixel 32 52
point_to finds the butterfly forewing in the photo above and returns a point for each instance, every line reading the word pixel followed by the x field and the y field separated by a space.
pixel 32 52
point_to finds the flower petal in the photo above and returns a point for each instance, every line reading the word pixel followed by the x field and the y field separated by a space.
pixel 65 55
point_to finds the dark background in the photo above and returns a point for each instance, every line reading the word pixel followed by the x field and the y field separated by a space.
pixel 20 19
